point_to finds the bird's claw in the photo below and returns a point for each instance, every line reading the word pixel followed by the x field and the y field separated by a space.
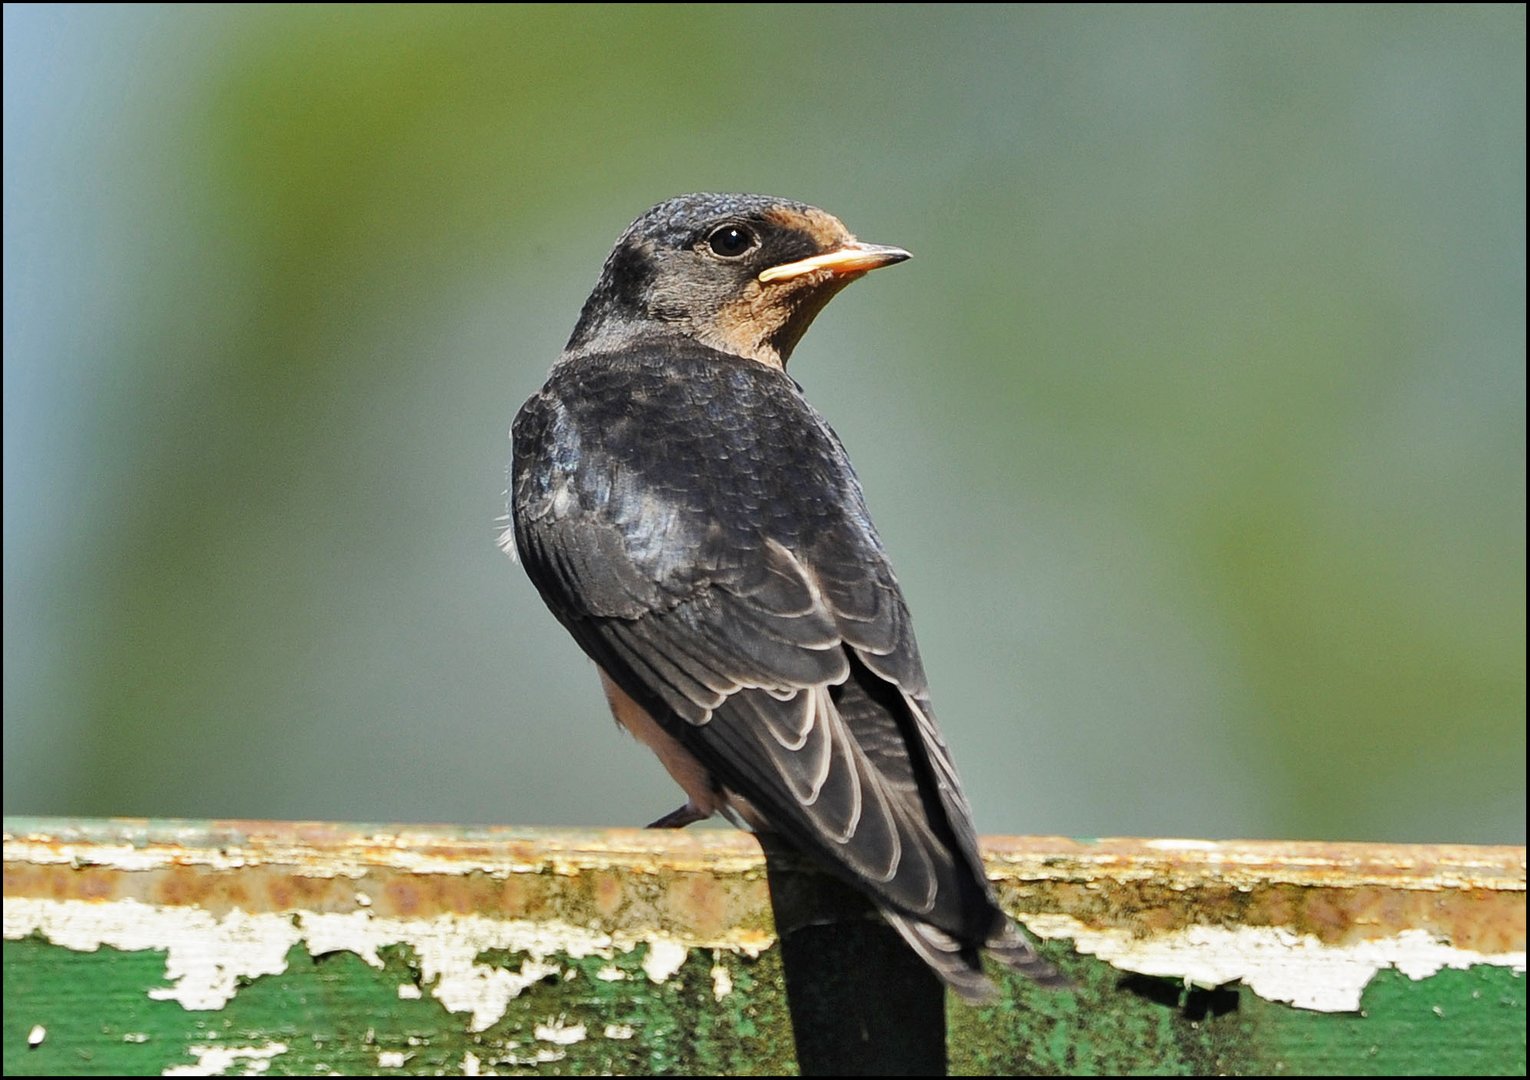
pixel 680 818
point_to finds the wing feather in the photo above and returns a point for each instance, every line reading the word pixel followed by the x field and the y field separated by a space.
pixel 740 595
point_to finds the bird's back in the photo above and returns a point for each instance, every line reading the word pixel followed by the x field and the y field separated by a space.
pixel 678 485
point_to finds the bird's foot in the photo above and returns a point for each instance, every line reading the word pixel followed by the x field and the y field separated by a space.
pixel 679 819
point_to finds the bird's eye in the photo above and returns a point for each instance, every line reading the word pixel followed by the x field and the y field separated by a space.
pixel 730 241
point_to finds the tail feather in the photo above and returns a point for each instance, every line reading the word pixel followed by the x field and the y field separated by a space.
pixel 1014 950
pixel 960 965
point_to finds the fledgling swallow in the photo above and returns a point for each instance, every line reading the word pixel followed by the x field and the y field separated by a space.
pixel 697 527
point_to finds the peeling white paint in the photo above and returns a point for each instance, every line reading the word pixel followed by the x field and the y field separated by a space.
pixel 392 1059
pixel 218 1060
pixel 1171 844
pixel 557 1030
pixel 619 1031
pixel 1273 962
pixel 722 982
pixel 664 958
pixel 541 1056
pixel 95 852
pixel 393 850
pixel 36 1036
pixel 471 1066
pixel 208 954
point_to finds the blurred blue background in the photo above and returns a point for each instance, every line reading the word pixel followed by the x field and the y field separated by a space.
pixel 1196 427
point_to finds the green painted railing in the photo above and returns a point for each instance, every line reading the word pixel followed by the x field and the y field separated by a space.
pixel 236 948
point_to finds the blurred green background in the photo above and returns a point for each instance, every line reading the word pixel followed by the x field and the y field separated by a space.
pixel 1196 427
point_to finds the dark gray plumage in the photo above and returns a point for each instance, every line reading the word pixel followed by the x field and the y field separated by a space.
pixel 697 527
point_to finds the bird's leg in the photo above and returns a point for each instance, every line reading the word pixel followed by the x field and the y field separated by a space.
pixel 679 819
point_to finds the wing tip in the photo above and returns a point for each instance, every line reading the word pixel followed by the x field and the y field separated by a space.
pixel 1015 951
pixel 960 965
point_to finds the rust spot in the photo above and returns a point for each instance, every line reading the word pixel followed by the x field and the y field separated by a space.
pixel 609 894
pixel 1497 924
pixel 1328 914
pixel 458 895
pixel 402 897
pixel 513 898
pixel 173 889
pixel 697 901
pixel 95 886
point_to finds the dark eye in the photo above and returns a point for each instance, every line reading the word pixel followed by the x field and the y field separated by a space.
pixel 730 241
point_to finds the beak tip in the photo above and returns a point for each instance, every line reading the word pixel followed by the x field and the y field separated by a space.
pixel 876 256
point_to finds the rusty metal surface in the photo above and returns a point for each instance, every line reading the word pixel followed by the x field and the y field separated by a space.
pixel 702 883
pixel 1340 894
pixel 699 886
pixel 590 951
pixel 488 869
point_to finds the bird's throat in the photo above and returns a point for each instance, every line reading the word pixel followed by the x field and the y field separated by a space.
pixel 766 322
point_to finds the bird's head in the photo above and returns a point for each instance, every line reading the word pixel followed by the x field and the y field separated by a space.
pixel 744 274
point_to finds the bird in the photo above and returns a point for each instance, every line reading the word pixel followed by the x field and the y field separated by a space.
pixel 696 526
